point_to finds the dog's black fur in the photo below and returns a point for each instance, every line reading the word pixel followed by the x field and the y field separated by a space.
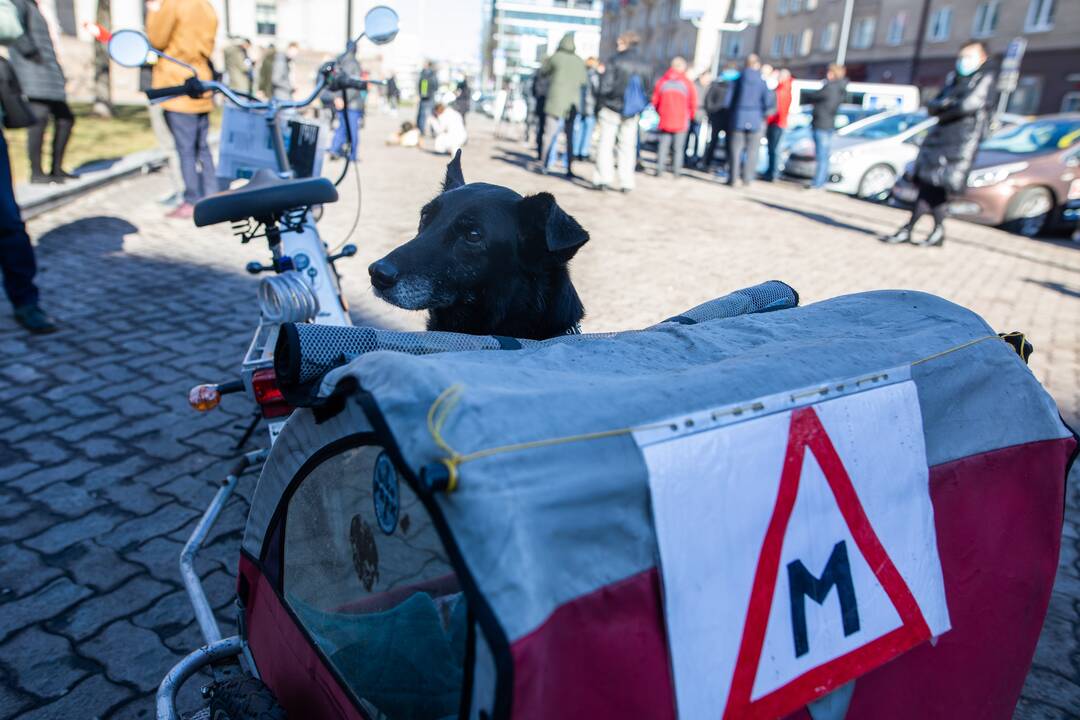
pixel 487 261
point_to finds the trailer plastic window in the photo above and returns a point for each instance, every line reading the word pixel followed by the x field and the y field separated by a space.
pixel 366 574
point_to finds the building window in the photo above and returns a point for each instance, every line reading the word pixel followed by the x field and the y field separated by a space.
pixel 862 35
pixel 796 6
pixel 781 8
pixel 789 45
pixel 940 25
pixel 1025 98
pixel 986 19
pixel 1070 102
pixel 811 5
pixel 1040 16
pixel 777 45
pixel 895 35
pixel 806 42
pixel 266 17
pixel 828 36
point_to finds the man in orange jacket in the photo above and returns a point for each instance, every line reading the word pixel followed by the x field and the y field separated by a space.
pixel 185 30
pixel 777 123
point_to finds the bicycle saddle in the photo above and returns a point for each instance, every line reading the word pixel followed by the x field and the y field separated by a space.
pixel 265 195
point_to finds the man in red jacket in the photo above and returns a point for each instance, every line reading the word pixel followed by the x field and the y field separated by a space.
pixel 675 100
pixel 776 123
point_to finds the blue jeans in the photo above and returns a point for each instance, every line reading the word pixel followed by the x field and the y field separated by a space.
pixel 822 143
pixel 196 162
pixel 423 114
pixel 341 137
pixel 583 130
pixel 16 252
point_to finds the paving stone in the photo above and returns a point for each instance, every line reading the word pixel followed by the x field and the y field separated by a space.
pixel 30 523
pixel 134 497
pixel 37 428
pixel 94 566
pixel 11 509
pixel 92 698
pixel 17 372
pixel 57 473
pixel 101 447
pixel 67 499
pixel 15 469
pixel 43 452
pixel 114 472
pixel 31 408
pixel 140 529
pixel 94 525
pixel 50 600
pixel 133 406
pixel 78 431
pixel 82 406
pixel 22 571
pixel 167 615
pixel 130 654
pixel 45 664
pixel 1028 709
pixel 1054 689
pixel 159 446
pixel 160 556
pixel 89 616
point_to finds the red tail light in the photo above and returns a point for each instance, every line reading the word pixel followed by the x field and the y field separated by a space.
pixel 268 395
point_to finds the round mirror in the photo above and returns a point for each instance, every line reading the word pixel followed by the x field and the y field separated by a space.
pixel 129 48
pixel 381 24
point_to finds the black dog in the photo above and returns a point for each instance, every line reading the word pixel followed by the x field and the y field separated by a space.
pixel 487 261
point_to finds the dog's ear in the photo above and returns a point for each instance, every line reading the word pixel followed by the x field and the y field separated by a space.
pixel 454 178
pixel 545 225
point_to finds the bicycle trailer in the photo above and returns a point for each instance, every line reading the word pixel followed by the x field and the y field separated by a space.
pixel 850 509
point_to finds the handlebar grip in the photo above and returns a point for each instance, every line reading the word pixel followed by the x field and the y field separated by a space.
pixel 158 93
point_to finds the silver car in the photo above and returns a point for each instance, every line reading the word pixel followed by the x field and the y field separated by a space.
pixel 866 156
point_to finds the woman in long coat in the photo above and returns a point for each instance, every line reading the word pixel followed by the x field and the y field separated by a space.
pixel 942 166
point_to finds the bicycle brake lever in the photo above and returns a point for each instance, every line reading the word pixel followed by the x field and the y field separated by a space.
pixel 347 251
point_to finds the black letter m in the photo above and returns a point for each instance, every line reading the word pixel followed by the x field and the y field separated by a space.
pixel 837 572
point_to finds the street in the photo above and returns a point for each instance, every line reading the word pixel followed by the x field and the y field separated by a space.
pixel 104 468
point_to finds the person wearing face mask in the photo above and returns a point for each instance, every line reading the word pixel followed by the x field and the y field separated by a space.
pixel 945 157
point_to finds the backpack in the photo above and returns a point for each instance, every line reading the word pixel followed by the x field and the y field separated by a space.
pixel 634 99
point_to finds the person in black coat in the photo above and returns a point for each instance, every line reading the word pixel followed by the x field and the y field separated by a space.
pixel 823 121
pixel 717 111
pixel 945 157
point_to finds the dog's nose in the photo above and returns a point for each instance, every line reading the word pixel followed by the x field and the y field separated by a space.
pixel 384 274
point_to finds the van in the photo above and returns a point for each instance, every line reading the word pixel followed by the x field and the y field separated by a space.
pixel 872 96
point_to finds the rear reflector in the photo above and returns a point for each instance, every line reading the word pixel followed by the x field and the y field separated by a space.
pixel 267 394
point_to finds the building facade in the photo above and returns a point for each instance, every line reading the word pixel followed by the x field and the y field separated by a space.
pixel 521 33
pixel 916 42
pixel 668 28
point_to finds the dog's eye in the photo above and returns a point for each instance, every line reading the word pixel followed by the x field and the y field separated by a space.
pixel 472 235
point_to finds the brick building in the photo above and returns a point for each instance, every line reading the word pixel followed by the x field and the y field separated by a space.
pixel 667 28
pixel 916 41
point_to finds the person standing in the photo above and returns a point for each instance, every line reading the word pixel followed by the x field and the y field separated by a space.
pixel 586 119
pixel 265 84
pixel 426 87
pixel 777 123
pixel 750 101
pixel 622 97
pixel 239 66
pixel 463 100
pixel 33 58
pixel 281 81
pixel 17 264
pixel 566 75
pixel 823 121
pixel 185 30
pixel 699 124
pixel 717 111
pixel 675 100
pixel 350 108
pixel 393 93
pixel 539 91
pixel 945 156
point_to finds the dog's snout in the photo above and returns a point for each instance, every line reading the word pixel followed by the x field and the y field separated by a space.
pixel 384 274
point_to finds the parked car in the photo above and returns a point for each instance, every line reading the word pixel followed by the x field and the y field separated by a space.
pixel 1021 177
pixel 867 156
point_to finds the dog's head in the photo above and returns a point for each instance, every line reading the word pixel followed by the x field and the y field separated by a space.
pixel 473 238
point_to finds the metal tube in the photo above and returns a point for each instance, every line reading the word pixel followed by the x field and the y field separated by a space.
pixel 845 31
pixel 181 671
pixel 204 614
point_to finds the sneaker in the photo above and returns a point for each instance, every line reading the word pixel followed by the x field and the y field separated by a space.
pixel 62 175
pixel 902 235
pixel 43 179
pixel 183 211
pixel 34 319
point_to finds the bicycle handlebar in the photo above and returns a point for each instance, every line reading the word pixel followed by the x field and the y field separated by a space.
pixel 166 92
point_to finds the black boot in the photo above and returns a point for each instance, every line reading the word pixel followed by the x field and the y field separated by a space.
pixel 936 238
pixel 902 235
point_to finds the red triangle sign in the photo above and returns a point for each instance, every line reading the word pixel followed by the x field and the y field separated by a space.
pixel 807 433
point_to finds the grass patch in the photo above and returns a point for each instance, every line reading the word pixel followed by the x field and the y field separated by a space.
pixel 92 139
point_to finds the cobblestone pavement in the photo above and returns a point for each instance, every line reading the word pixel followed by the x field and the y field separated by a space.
pixel 104 468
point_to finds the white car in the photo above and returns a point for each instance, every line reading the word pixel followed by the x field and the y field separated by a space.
pixel 866 156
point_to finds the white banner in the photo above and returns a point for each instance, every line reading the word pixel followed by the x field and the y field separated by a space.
pixel 797 548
